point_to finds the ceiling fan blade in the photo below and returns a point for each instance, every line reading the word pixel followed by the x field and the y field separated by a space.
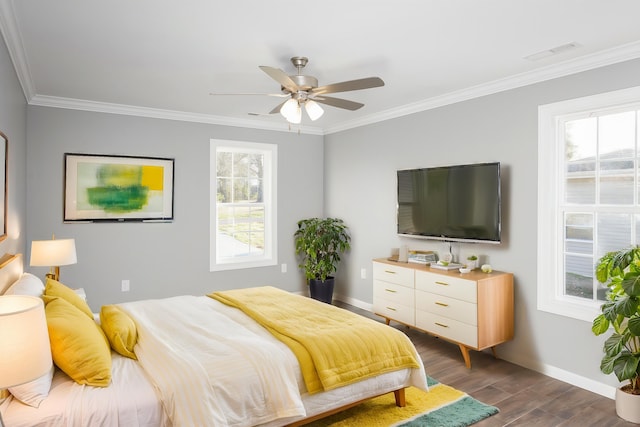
pixel 338 102
pixel 277 108
pixel 281 77
pixel 278 95
pixel 359 84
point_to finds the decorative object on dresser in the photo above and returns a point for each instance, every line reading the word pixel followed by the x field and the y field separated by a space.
pixel 53 253
pixel 473 310
pixel 472 262
pixel 319 243
pixel 620 272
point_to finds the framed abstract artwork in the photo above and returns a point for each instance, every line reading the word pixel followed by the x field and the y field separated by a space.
pixel 117 188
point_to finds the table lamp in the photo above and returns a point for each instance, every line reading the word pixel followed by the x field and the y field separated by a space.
pixel 53 253
pixel 24 340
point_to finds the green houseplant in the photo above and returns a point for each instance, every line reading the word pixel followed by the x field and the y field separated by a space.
pixel 319 242
pixel 620 271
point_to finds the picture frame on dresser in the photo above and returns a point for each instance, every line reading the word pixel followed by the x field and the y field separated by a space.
pixel 117 188
pixel 4 152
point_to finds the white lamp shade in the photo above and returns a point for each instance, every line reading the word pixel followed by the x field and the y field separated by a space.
pixel 314 110
pixel 53 253
pixel 24 340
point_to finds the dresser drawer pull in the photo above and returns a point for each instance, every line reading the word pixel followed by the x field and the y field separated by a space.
pixel 442 325
pixel 390 272
pixel 442 283
pixel 391 290
pixel 442 304
pixel 391 308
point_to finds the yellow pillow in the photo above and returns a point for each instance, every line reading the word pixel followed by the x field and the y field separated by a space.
pixel 78 345
pixel 53 288
pixel 120 330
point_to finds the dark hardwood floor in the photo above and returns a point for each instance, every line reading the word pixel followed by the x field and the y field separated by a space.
pixel 524 397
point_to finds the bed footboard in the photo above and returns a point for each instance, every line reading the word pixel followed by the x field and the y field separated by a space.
pixel 398 394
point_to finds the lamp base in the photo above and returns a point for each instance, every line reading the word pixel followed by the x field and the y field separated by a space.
pixel 54 274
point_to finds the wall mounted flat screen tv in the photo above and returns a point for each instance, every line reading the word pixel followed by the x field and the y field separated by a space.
pixel 451 203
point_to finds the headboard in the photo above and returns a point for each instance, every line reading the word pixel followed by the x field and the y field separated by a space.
pixel 10 270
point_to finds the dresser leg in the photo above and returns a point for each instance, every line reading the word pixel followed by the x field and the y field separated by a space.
pixel 493 350
pixel 387 320
pixel 465 356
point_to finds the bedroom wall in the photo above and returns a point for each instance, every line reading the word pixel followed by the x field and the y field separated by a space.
pixel 13 119
pixel 360 187
pixel 163 259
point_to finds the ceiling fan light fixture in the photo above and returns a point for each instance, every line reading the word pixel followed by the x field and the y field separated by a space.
pixel 314 110
pixel 296 117
pixel 288 108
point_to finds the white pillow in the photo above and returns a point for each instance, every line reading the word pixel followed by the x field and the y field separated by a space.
pixel 34 392
pixel 27 284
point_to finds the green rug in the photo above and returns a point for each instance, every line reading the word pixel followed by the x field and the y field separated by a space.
pixel 442 406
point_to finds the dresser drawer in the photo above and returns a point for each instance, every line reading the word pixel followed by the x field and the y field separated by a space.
pixel 393 274
pixel 393 292
pixel 393 310
pixel 449 286
pixel 463 311
pixel 444 327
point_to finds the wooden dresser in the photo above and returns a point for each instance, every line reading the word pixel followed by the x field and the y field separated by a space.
pixel 473 310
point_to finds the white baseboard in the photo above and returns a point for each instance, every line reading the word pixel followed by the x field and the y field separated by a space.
pixel 566 376
pixel 354 302
pixel 551 371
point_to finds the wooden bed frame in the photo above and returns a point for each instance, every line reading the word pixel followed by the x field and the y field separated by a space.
pixel 398 394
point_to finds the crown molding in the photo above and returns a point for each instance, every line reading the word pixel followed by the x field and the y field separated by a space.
pixel 13 40
pixel 615 55
pixel 156 113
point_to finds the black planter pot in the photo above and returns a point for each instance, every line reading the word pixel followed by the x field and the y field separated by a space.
pixel 322 291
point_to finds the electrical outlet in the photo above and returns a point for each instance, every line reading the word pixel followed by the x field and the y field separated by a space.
pixel 283 268
pixel 125 286
pixel 363 273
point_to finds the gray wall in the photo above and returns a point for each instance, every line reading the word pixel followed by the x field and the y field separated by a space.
pixel 163 259
pixel 13 119
pixel 360 187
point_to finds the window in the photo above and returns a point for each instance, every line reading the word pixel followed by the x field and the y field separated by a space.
pixel 243 205
pixel 588 196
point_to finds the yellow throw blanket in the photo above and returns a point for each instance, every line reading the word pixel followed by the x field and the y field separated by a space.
pixel 334 347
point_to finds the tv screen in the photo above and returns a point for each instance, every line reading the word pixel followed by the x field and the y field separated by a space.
pixel 453 203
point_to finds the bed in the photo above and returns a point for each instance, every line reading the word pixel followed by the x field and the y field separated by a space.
pixel 203 361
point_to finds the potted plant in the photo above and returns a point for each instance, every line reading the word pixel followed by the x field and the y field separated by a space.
pixel 472 262
pixel 620 271
pixel 319 243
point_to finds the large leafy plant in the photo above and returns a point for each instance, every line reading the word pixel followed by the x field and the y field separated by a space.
pixel 620 272
pixel 320 242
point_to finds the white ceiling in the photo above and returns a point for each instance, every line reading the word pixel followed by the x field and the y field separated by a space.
pixel 162 58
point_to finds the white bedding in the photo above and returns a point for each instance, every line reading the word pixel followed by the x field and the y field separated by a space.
pixel 132 400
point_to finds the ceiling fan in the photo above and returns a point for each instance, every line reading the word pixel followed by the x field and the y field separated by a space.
pixel 304 91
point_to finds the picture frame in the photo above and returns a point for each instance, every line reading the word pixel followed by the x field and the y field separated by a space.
pixel 117 188
pixel 4 162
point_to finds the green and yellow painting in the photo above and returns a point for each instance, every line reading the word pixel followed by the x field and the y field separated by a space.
pixel 119 188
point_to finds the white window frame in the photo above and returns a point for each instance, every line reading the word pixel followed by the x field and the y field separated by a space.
pixel 551 119
pixel 269 257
